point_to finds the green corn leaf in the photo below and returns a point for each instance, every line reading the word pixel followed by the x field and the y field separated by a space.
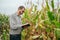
pixel 4 35
pixel 59 10
pixel 57 24
pixel 52 4
pixel 47 5
pixel 48 29
pixel 26 14
pixel 50 16
pixel 36 18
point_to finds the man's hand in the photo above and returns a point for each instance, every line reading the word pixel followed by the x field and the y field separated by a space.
pixel 25 25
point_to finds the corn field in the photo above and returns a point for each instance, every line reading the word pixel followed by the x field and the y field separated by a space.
pixel 45 23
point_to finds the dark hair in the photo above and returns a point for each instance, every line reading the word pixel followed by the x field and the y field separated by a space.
pixel 21 7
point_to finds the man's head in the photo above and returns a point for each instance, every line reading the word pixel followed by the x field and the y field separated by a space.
pixel 21 10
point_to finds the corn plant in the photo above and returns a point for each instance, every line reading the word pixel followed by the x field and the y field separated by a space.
pixel 44 19
pixel 44 23
pixel 4 25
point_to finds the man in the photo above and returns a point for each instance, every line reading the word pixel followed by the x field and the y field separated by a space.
pixel 16 24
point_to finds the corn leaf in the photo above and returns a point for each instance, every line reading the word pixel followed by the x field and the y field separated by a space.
pixel 52 4
pixel 50 16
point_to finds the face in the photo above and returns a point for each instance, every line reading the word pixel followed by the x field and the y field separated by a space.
pixel 21 11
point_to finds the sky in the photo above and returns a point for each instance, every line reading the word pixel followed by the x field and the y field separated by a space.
pixel 9 7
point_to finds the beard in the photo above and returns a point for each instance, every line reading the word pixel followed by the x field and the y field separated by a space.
pixel 21 13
